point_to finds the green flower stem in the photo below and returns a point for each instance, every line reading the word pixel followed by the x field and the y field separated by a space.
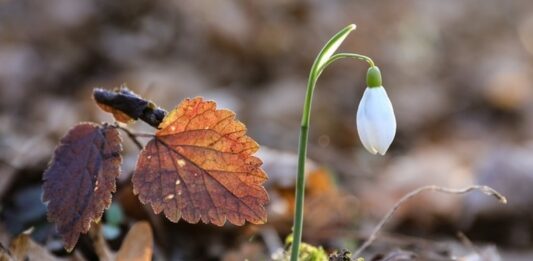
pixel 323 59
pixel 338 56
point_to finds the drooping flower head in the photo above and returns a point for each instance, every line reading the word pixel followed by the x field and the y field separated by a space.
pixel 376 123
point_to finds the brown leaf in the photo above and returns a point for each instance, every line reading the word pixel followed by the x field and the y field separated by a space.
pixel 118 115
pixel 127 106
pixel 100 246
pixel 120 101
pixel 23 247
pixel 80 179
pixel 138 244
pixel 199 167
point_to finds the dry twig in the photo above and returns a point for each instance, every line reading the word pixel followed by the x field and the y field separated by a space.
pixel 133 135
pixel 484 189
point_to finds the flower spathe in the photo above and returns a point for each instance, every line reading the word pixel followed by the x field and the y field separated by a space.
pixel 376 123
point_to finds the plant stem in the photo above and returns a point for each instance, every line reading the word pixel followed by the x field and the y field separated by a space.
pixel 300 180
pixel 322 60
pixel 133 135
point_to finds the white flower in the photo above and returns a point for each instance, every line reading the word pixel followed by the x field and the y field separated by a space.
pixel 376 123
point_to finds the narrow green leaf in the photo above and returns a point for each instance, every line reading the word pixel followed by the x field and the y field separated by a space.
pixel 331 47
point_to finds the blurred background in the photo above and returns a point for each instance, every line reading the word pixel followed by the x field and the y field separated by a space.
pixel 459 74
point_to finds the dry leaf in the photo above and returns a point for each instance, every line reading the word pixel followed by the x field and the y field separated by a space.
pixel 138 244
pixel 100 246
pixel 118 115
pixel 23 247
pixel 80 179
pixel 126 106
pixel 200 166
pixel 118 98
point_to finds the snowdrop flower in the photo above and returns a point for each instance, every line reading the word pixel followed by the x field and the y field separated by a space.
pixel 376 123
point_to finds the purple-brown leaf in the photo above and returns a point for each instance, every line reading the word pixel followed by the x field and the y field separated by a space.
pixel 80 179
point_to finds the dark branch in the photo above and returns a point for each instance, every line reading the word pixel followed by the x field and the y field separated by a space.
pixel 131 104
pixel 133 135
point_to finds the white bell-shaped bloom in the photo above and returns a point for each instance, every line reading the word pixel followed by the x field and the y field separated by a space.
pixel 376 123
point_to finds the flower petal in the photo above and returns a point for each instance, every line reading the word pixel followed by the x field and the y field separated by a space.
pixel 376 123
pixel 363 126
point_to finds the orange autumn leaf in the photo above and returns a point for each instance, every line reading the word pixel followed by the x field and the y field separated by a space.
pixel 199 166
pixel 80 179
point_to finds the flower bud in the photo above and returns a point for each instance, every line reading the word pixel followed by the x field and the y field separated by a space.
pixel 373 77
pixel 376 123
